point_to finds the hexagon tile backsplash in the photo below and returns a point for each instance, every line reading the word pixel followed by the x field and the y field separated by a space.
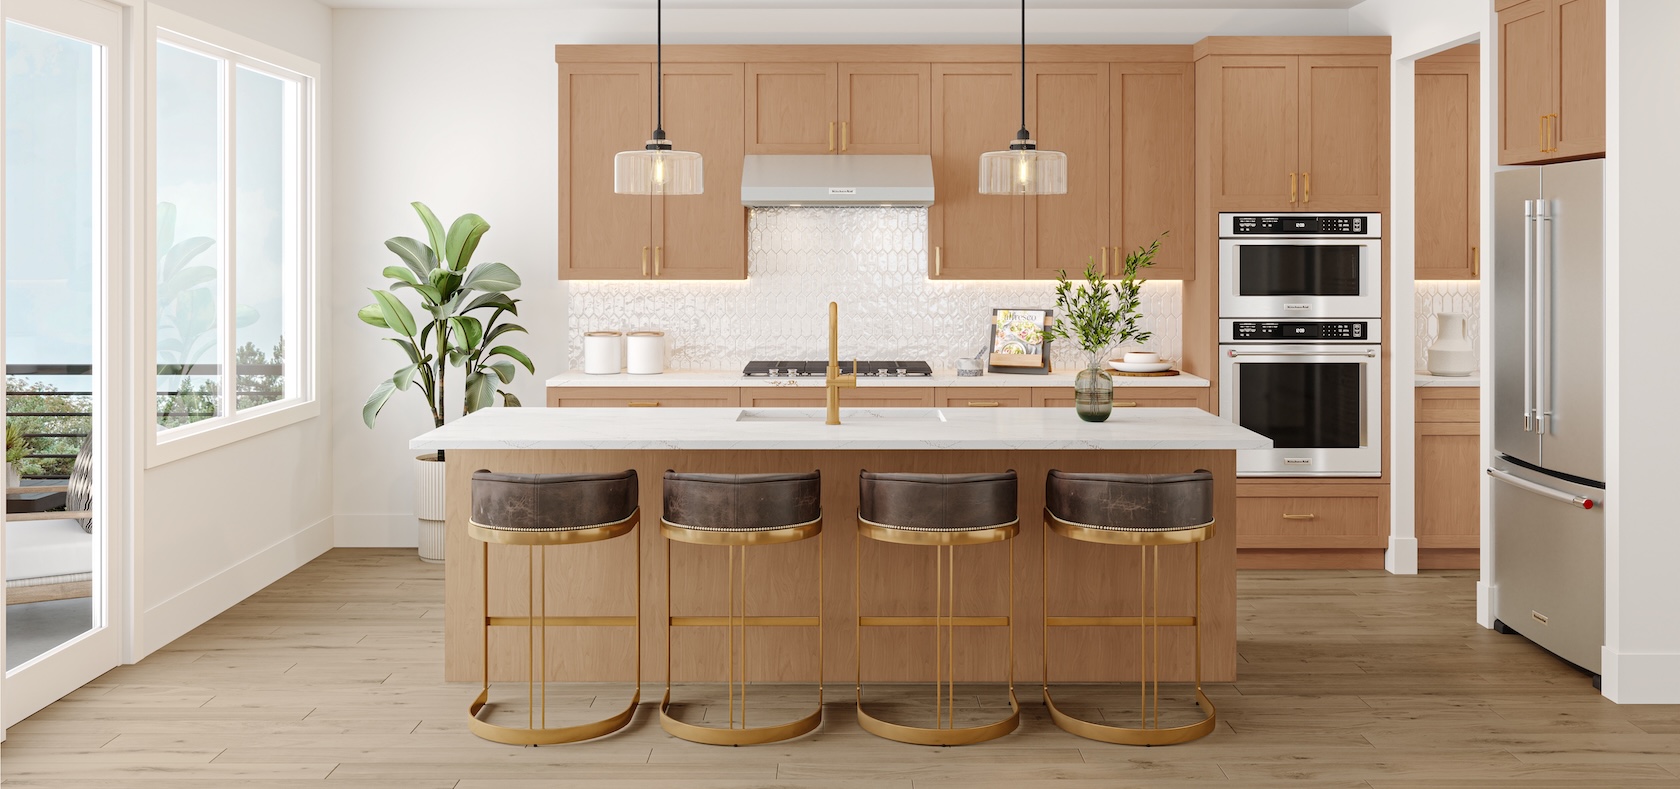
pixel 872 260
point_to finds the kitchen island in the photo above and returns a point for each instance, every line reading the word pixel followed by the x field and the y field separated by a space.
pixel 596 579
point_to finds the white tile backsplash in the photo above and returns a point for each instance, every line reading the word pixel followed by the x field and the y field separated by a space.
pixel 872 260
pixel 1433 296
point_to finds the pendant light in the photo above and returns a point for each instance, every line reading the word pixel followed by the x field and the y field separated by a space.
pixel 657 169
pixel 1023 169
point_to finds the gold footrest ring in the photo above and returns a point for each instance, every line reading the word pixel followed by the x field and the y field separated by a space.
pixel 1122 735
pixel 757 735
pixel 510 735
pixel 919 735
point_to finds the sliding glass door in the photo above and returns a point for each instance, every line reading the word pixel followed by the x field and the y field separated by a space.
pixel 63 232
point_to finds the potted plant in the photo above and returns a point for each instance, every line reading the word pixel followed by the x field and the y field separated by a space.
pixel 454 295
pixel 1099 317
pixel 17 448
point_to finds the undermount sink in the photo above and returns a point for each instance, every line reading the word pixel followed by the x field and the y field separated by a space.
pixel 847 415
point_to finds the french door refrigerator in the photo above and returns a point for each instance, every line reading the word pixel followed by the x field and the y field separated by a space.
pixel 1548 407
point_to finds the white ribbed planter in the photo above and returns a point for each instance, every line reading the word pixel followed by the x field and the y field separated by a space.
pixel 429 506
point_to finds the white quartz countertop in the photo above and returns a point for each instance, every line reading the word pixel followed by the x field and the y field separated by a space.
pixel 1425 379
pixel 803 428
pixel 940 378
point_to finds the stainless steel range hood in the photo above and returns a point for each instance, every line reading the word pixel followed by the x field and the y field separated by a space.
pixel 897 180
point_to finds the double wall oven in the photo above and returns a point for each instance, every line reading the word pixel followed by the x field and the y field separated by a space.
pixel 1300 341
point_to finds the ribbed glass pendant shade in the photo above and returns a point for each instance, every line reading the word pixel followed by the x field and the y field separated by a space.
pixel 658 170
pixel 1023 170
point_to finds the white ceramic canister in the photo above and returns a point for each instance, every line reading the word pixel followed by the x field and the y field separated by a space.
pixel 603 352
pixel 645 351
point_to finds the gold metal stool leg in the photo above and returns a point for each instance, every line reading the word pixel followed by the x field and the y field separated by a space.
pixel 743 735
pixel 944 682
pixel 537 731
pixel 1148 621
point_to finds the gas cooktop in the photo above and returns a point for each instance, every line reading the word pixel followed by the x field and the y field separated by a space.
pixel 819 369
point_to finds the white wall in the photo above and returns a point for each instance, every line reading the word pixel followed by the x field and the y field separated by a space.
pixel 1642 624
pixel 1418 28
pixel 214 528
pixel 458 109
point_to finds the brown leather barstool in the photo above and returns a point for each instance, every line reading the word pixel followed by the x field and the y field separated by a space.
pixel 1149 511
pixel 739 511
pixel 943 511
pixel 539 510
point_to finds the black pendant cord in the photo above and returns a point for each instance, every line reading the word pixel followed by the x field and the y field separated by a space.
pixel 659 67
pixel 1023 135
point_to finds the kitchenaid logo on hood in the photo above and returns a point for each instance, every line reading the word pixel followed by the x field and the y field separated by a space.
pixel 842 190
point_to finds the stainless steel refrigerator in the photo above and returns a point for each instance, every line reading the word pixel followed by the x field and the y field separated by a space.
pixel 1548 407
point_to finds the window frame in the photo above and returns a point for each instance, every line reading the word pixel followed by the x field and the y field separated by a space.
pixel 166 445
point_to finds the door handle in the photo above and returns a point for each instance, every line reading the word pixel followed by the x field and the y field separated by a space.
pixel 1105 269
pixel 1475 263
pixel 1291 187
pixel 644 261
pixel 1542 313
pixel 983 404
pixel 643 404
pixel 1306 517
pixel 657 254
pixel 1542 134
pixel 1528 316
pixel 1549 492
pixel 844 136
pixel 1132 404
pixel 1306 188
pixel 938 262
pixel 1553 127
pixel 1367 354
pixel 831 136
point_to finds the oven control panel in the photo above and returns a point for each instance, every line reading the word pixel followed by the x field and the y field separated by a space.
pixel 1300 331
pixel 1238 225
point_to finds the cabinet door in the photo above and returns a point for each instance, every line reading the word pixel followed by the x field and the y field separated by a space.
pixel 1525 81
pixel 790 108
pixel 1253 151
pixel 704 236
pixel 1344 133
pixel 884 108
pixel 1579 76
pixel 1447 170
pixel 1449 486
pixel 864 396
pixel 604 108
pixel 1067 111
pixel 1311 515
pixel 1152 175
pixel 982 397
pixel 971 235
pixel 643 397
pixel 1128 397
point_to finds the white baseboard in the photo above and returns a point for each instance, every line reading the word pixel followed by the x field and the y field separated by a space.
pixel 178 615
pixel 1641 678
pixel 1402 556
pixel 1484 603
pixel 376 530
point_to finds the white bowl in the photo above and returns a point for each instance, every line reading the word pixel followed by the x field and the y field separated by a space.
pixel 1158 367
pixel 1141 357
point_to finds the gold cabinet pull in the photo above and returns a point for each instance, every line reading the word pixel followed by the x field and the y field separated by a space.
pixel 644 404
pixel 1554 130
pixel 1475 263
pixel 1291 187
pixel 983 404
pixel 831 136
pixel 1306 517
pixel 1542 134
pixel 657 254
pixel 1125 404
pixel 1306 188
pixel 1105 270
pixel 644 261
pixel 844 137
pixel 938 262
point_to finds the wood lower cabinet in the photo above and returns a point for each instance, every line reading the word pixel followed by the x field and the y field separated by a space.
pixel 1129 397
pixel 643 397
pixel 867 397
pixel 971 235
pixel 1448 509
pixel 1296 524
pixel 1551 80
pixel 1448 165
pixel 983 397
pixel 816 397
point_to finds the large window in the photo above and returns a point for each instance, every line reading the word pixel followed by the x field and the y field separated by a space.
pixel 233 177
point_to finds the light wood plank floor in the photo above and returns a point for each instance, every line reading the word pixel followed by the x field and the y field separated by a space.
pixel 1348 679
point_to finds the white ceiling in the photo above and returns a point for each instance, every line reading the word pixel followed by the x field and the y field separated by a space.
pixel 1175 5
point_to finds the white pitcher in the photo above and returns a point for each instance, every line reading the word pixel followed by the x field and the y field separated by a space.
pixel 1452 354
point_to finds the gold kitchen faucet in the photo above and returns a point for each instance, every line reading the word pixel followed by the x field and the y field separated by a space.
pixel 834 380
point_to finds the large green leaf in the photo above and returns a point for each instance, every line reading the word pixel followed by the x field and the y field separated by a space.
pixel 501 329
pixel 404 377
pixel 373 316
pixel 427 292
pixel 494 277
pixel 515 354
pixel 434 228
pixel 504 370
pixel 468 332
pixel 408 348
pixel 501 300
pixel 396 313
pixel 417 256
pixel 401 274
pixel 165 226
pixel 376 401
pixel 509 400
pixel 463 239
pixel 481 391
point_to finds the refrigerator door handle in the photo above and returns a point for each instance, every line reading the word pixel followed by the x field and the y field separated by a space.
pixel 1550 493
pixel 1528 316
pixel 1542 313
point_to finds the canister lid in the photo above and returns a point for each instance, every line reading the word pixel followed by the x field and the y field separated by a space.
pixel 603 334
pixel 647 334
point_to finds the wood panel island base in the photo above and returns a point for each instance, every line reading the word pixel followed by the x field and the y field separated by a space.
pixel 598 579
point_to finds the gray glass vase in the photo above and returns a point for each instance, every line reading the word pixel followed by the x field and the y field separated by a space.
pixel 1093 393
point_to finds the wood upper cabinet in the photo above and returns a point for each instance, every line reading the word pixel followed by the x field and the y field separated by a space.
pixel 971 235
pixel 1152 172
pixel 1297 133
pixel 1551 80
pixel 824 108
pixel 609 107
pixel 1067 111
pixel 703 236
pixel 604 109
pixel 1448 165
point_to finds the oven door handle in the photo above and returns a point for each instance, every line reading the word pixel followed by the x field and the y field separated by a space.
pixel 1369 354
